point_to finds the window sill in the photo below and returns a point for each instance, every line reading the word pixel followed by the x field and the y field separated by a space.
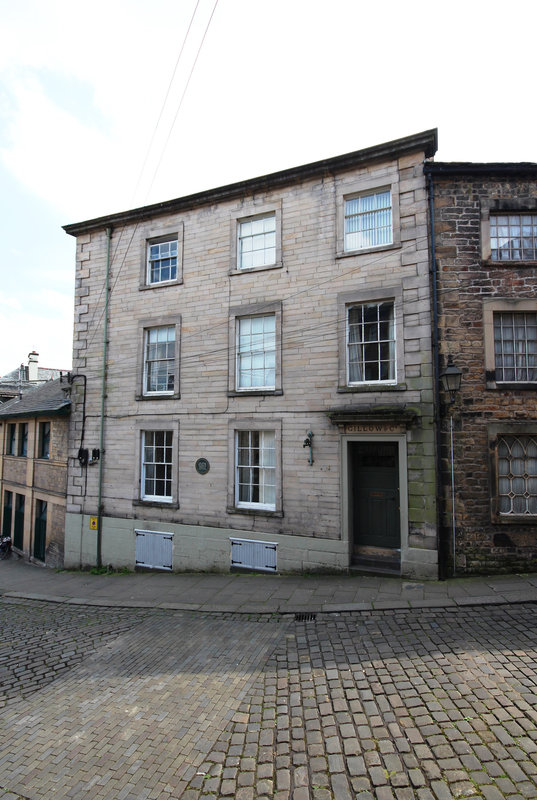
pixel 255 392
pixel 254 512
pixel 515 519
pixel 176 396
pixel 366 250
pixel 490 264
pixel 164 285
pixel 372 387
pixel 516 386
pixel 154 504
pixel 247 270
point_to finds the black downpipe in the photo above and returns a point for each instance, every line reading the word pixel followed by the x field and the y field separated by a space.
pixel 441 541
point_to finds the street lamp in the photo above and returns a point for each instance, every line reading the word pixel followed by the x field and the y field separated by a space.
pixel 451 383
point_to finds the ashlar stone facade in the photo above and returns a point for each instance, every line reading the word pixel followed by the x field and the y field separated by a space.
pixel 265 396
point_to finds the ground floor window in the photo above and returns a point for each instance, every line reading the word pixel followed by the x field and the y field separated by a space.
pixel 255 465
pixel 157 452
pixel 517 475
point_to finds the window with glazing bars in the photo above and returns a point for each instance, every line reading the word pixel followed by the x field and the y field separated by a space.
pixel 162 262
pixel 257 242
pixel 515 346
pixel 23 439
pixel 368 221
pixel 256 352
pixel 255 482
pixel 517 475
pixel 371 343
pixel 11 439
pixel 513 237
pixel 159 364
pixel 157 465
pixel 44 439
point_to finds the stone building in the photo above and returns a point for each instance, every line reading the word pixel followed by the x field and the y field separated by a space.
pixel 26 377
pixel 33 471
pixel 253 374
pixel 485 226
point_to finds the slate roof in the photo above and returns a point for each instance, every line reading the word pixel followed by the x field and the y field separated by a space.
pixel 45 400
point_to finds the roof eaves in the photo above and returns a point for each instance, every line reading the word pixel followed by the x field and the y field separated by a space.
pixel 427 141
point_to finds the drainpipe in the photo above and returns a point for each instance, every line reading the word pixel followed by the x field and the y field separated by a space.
pixel 103 396
pixel 436 369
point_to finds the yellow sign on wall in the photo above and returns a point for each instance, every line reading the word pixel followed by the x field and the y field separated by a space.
pixel 93 523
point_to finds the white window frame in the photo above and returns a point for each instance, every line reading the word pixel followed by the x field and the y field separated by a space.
pixel 250 312
pixel 243 422
pixel 162 258
pixel 155 235
pixel 253 353
pixel 515 479
pixel 366 185
pixel 168 447
pixel 378 342
pixel 362 215
pixel 169 361
pixel 145 325
pixel 250 212
pixel 264 439
pixel 250 233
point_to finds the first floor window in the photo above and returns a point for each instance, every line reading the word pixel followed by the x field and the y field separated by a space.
pixel 162 262
pixel 257 242
pixel 159 360
pixel 157 465
pixel 23 439
pixel 371 343
pixel 517 475
pixel 515 346
pixel 11 439
pixel 256 352
pixel 255 465
pixel 368 221
pixel 513 237
pixel 44 439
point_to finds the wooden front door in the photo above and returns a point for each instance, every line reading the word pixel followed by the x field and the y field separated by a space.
pixel 374 494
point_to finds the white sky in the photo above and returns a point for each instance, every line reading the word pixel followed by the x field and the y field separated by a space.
pixel 277 83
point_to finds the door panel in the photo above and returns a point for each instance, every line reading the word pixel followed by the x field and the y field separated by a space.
pixel 374 484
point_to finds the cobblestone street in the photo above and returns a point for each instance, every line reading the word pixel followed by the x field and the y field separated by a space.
pixel 142 704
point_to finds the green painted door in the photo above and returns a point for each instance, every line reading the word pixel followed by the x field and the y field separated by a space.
pixel 374 483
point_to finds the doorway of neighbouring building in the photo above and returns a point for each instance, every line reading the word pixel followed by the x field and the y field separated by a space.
pixel 40 530
pixel 374 496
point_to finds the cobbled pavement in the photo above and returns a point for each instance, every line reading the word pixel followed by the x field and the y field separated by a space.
pixel 138 704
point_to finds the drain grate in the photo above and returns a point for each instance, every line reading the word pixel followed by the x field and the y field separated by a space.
pixel 305 617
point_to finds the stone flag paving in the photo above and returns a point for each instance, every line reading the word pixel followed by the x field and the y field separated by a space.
pixel 148 704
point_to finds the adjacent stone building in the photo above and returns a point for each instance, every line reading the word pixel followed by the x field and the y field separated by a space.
pixel 485 226
pixel 253 374
pixel 33 471
pixel 26 377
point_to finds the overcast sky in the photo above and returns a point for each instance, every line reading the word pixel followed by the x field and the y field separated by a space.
pixel 94 116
